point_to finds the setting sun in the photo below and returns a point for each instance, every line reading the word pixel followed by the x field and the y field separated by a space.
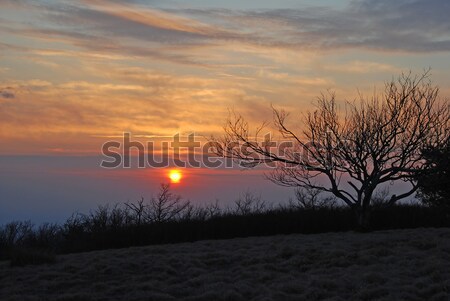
pixel 175 176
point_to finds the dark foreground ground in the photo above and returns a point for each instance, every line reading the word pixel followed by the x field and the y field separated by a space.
pixel 386 265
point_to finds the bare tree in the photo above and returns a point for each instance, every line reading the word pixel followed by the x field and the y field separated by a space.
pixel 207 212
pixel 213 209
pixel 311 198
pixel 371 142
pixel 249 203
pixel 15 233
pixel 98 219
pixel 166 206
pixel 137 211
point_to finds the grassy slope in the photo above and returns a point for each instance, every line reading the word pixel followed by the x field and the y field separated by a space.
pixel 386 265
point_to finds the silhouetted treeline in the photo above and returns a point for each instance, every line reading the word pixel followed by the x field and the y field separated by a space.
pixel 167 218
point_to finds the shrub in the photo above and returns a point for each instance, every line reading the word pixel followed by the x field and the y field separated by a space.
pixel 434 188
pixel 177 221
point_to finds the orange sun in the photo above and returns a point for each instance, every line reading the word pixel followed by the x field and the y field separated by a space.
pixel 175 176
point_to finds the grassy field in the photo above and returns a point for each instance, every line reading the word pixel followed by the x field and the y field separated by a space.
pixel 385 265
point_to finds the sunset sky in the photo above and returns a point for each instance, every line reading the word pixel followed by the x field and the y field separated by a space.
pixel 74 74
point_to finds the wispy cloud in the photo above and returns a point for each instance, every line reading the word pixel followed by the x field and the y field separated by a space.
pixel 153 18
pixel 363 67
pixel 120 28
pixel 405 25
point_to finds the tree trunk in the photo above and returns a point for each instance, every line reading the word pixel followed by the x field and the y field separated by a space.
pixel 363 219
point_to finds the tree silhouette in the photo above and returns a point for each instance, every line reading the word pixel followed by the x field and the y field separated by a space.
pixel 166 206
pixel 163 207
pixel 373 141
pixel 434 183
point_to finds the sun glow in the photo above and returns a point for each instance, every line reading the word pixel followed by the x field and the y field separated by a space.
pixel 175 176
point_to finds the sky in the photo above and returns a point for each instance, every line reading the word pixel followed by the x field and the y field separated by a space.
pixel 75 74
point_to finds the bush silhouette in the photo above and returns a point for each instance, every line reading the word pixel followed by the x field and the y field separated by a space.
pixel 119 226
pixel 434 183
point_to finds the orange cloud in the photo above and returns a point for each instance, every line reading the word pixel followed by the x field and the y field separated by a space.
pixel 154 18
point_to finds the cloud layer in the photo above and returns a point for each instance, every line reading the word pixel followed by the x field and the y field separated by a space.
pixel 103 67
